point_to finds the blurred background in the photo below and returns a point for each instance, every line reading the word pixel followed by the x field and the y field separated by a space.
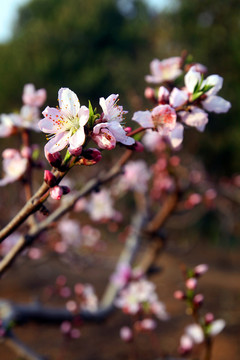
pixel 97 48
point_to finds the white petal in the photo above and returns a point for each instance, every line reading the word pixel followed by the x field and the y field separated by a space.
pixel 195 332
pixel 53 121
pixel 119 134
pixel 57 143
pixel 191 79
pixel 77 139
pixel 216 104
pixel 178 97
pixel 196 117
pixel 216 81
pixel 143 118
pixel 83 115
pixel 68 102
pixel 217 326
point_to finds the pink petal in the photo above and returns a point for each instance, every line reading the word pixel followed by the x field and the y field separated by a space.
pixel 57 143
pixel 68 102
pixel 176 135
pixel 120 135
pixel 53 121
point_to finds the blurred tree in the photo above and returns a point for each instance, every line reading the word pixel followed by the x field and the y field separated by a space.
pixel 92 47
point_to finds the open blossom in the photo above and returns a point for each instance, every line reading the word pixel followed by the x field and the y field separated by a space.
pixel 163 118
pixel 165 70
pixel 211 101
pixel 100 206
pixel 66 123
pixel 70 232
pixel 7 126
pixel 14 166
pixel 135 177
pixel 33 97
pixel 110 130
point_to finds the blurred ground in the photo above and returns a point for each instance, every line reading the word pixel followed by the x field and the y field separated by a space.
pixel 221 287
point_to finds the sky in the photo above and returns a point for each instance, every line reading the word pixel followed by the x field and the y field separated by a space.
pixel 9 8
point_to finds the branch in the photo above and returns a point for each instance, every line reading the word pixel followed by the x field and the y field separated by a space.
pixel 27 240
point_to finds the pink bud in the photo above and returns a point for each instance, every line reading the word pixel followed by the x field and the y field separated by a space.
pixel 54 159
pixel 49 178
pixel 209 317
pixel 71 306
pixel 65 292
pixel 75 333
pixel 65 327
pixel 191 283
pixel 163 95
pixel 128 129
pixel 26 152
pixel 79 289
pixel 149 93
pixel 186 344
pixel 104 139
pixel 200 269
pixel 75 152
pixel 56 192
pixel 148 324
pixel 179 295
pixel 198 299
pixel 126 334
pixel 138 147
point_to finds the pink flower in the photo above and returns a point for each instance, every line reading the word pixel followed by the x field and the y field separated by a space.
pixel 100 206
pixel 104 138
pixel 165 70
pixel 14 166
pixel 135 177
pixel 33 97
pixel 7 126
pixel 178 97
pixel 56 192
pixel 112 117
pixel 126 333
pixel 162 118
pixel 66 124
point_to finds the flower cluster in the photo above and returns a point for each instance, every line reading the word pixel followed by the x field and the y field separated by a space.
pixel 177 108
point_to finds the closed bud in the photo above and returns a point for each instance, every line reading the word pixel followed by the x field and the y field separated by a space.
pixel 198 299
pixel 56 192
pixel 65 190
pixel 179 295
pixel 91 156
pixel 54 159
pixel 49 178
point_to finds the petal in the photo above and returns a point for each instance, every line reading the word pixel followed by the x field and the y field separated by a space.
pixel 196 117
pixel 119 134
pixel 7 180
pixel 178 97
pixel 176 135
pixel 195 332
pixel 143 118
pixel 98 127
pixel 57 143
pixel 77 139
pixel 216 81
pixel 68 102
pixel 53 122
pixel 191 79
pixel 216 104
pixel 83 114
pixel 217 326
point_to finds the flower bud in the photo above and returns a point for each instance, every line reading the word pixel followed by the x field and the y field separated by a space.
pixel 198 299
pixel 54 159
pixel 128 129
pixel 126 334
pixel 200 269
pixel 191 283
pixel 49 178
pixel 179 295
pixel 209 317
pixel 75 152
pixel 65 190
pixel 56 192
pixel 91 156
pixel 149 93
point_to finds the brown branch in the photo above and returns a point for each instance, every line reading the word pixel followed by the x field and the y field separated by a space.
pixel 36 230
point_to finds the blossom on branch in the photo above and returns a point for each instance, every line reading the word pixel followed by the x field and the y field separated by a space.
pixel 165 70
pixel 66 123
pixel 110 130
pixel 14 166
